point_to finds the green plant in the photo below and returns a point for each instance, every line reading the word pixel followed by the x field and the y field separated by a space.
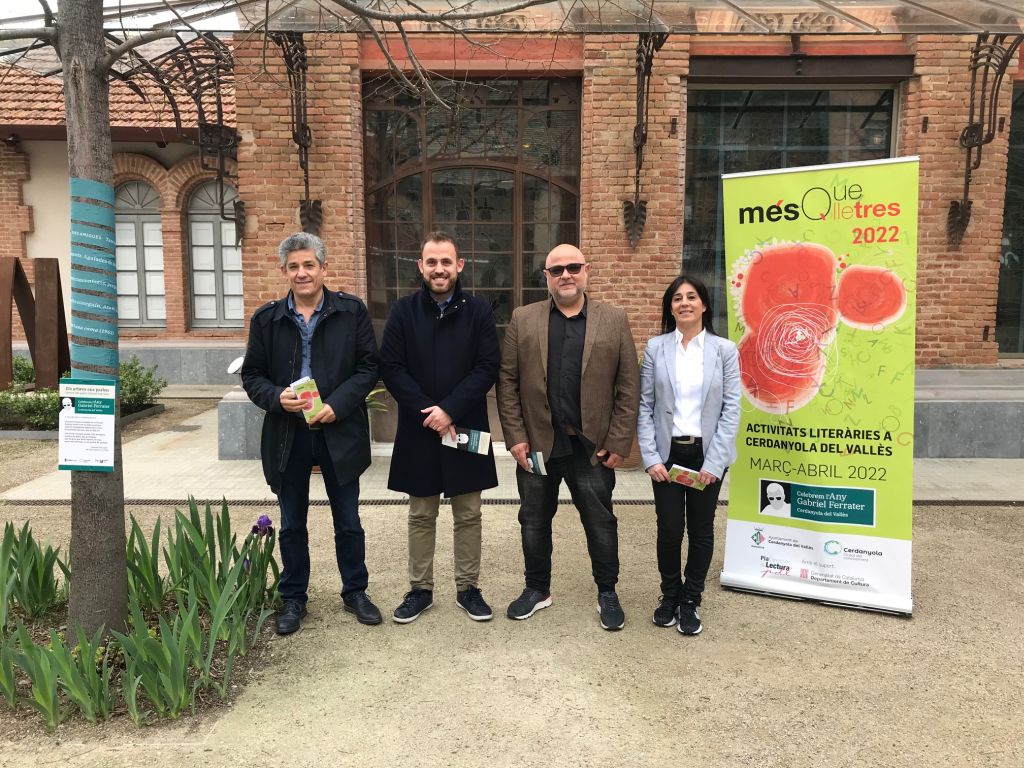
pixel 8 683
pixel 35 586
pixel 375 400
pixel 130 686
pixel 39 409
pixel 37 662
pixel 161 661
pixel 258 553
pixel 84 673
pixel 140 386
pixel 8 573
pixel 145 584
pixel 22 371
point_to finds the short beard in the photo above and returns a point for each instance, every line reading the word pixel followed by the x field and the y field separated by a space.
pixel 430 287
pixel 562 301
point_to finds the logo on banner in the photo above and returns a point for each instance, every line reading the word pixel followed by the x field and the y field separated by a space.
pixel 833 547
pixel 758 538
pixel 773 567
pixel 804 573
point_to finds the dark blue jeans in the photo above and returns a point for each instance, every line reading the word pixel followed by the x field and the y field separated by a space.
pixel 591 489
pixel 308 449
pixel 679 508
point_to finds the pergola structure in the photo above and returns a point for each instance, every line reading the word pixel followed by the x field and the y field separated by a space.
pixel 193 62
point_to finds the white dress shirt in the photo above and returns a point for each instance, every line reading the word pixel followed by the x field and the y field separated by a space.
pixel 689 383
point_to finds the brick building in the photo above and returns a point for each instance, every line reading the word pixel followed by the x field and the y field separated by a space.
pixel 535 147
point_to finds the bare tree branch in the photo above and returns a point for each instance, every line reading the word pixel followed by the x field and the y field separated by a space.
pixel 440 16
pixel 132 43
pixel 421 75
pixel 47 13
pixel 392 65
pixel 49 34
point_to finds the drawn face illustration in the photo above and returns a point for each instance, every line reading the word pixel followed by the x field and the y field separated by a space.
pixel 776 496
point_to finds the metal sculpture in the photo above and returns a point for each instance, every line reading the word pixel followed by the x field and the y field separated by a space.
pixel 293 48
pixel 202 68
pixel 990 58
pixel 634 212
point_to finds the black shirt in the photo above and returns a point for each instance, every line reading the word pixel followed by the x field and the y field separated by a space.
pixel 565 369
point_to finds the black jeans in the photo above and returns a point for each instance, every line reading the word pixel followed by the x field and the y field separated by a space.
pixel 308 449
pixel 677 506
pixel 591 489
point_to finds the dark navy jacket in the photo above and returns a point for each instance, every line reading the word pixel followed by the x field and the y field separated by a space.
pixel 344 362
pixel 451 361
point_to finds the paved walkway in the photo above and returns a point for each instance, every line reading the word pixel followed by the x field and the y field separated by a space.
pixel 167 466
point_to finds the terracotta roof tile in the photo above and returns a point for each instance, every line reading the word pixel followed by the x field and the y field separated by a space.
pixel 29 98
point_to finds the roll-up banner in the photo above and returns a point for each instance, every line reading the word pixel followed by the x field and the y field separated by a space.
pixel 821 281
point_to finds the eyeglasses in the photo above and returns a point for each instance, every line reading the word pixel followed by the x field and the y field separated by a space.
pixel 775 498
pixel 574 269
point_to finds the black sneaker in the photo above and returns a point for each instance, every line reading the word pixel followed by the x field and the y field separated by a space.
pixel 473 603
pixel 689 619
pixel 665 613
pixel 415 603
pixel 612 616
pixel 364 609
pixel 528 603
pixel 289 618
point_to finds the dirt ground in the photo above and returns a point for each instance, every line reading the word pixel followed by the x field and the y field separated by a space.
pixel 769 682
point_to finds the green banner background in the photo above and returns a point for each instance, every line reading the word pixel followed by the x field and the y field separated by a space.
pixel 855 430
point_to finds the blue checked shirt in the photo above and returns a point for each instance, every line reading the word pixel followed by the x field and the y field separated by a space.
pixel 305 331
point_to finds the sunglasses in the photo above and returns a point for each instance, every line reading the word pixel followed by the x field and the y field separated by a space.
pixel 574 269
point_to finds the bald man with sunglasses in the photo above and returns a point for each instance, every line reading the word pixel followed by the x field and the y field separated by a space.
pixel 568 388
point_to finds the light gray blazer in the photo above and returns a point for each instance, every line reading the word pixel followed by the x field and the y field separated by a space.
pixel 720 402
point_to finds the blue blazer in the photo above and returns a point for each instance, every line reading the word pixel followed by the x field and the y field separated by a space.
pixel 720 402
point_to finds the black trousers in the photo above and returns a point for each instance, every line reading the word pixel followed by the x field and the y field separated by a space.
pixel 679 508
pixel 308 449
pixel 591 490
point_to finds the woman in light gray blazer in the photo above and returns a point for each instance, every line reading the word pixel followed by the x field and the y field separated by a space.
pixel 689 417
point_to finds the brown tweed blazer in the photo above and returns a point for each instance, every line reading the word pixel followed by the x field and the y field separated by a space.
pixel 609 386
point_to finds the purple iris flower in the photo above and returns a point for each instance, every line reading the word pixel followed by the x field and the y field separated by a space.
pixel 264 526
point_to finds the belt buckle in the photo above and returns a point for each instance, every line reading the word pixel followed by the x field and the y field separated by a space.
pixel 688 440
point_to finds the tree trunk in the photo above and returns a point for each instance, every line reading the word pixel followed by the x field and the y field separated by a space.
pixel 99 582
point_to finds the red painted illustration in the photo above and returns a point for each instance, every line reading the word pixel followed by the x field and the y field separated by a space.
pixel 790 297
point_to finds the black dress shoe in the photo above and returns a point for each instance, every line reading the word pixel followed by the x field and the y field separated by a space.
pixel 290 617
pixel 364 609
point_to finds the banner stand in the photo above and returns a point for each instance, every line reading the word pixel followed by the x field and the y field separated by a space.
pixel 821 282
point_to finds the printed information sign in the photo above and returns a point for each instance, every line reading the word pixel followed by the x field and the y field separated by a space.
pixel 86 423
pixel 821 271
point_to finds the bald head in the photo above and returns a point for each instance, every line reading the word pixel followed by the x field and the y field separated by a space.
pixel 565 254
pixel 566 288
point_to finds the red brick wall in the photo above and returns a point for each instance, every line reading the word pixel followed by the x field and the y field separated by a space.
pixel 17 217
pixel 957 285
pixel 632 278
pixel 270 180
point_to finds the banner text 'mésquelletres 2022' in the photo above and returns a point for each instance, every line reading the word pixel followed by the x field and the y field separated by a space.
pixel 821 271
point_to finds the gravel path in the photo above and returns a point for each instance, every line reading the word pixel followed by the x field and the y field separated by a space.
pixel 770 682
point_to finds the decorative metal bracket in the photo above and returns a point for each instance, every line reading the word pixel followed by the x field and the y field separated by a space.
pixel 634 212
pixel 293 48
pixel 990 58
pixel 203 69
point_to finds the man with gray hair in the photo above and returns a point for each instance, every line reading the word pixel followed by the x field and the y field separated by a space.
pixel 324 335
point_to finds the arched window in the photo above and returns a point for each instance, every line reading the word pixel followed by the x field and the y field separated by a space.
pixel 500 174
pixel 215 260
pixel 140 256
